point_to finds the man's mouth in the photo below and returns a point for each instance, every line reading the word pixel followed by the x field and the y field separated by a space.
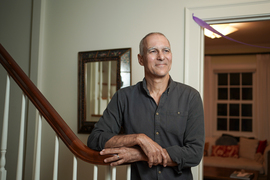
pixel 161 64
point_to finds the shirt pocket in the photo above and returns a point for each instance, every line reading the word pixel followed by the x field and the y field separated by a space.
pixel 176 122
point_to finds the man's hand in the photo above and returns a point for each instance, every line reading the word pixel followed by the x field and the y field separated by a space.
pixel 156 155
pixel 123 155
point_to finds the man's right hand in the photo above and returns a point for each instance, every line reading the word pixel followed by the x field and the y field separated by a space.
pixel 152 150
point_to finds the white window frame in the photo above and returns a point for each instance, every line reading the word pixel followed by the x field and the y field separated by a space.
pixel 239 68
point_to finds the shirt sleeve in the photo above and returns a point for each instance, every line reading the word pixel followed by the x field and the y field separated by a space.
pixel 190 154
pixel 108 125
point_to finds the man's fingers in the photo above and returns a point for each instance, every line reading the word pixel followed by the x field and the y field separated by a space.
pixel 150 164
pixel 115 160
pixel 165 160
pixel 150 161
pixel 112 159
pixel 160 160
pixel 155 154
pixel 154 158
pixel 121 161
pixel 109 151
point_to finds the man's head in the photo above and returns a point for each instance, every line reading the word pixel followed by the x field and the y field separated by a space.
pixel 155 55
pixel 142 42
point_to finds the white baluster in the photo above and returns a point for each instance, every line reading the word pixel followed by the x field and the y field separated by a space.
pixel 74 175
pixel 114 173
pixel 3 172
pixel 128 172
pixel 21 140
pixel 108 173
pixel 38 149
pixel 95 176
pixel 56 155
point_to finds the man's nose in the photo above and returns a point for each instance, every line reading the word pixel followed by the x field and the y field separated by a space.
pixel 161 56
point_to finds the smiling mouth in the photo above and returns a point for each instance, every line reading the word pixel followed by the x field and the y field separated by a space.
pixel 161 64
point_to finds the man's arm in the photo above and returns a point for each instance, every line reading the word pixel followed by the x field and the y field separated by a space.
pixel 129 155
pixel 154 152
pixel 124 155
pixel 104 135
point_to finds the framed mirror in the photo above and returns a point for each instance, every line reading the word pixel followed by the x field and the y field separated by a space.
pixel 101 74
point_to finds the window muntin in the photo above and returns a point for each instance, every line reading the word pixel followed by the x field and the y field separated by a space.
pixel 234 102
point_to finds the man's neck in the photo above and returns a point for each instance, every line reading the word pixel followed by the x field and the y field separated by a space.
pixel 157 86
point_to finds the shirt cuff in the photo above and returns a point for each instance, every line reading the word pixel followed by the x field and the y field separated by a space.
pixel 173 152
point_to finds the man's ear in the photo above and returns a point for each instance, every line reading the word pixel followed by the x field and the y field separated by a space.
pixel 140 59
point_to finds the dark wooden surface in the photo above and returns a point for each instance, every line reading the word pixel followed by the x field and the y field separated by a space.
pixel 219 173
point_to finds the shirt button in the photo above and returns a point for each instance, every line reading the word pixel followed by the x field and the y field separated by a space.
pixel 157 133
pixel 178 112
pixel 157 114
pixel 159 172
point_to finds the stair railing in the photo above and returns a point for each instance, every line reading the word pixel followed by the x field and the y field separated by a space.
pixel 46 111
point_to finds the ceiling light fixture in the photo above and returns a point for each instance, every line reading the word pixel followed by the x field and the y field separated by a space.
pixel 224 29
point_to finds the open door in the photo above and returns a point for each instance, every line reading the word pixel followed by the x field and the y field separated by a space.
pixel 194 40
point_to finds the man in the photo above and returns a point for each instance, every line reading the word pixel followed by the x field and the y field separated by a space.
pixel 163 120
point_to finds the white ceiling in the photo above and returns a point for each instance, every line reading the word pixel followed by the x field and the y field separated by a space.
pixel 256 33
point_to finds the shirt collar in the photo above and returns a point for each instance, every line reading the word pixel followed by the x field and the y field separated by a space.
pixel 167 91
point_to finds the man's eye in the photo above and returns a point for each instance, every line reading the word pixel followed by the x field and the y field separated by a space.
pixel 153 51
pixel 166 50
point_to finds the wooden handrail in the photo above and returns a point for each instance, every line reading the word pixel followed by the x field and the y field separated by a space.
pixel 75 145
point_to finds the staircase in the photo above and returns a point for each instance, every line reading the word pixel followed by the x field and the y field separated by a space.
pixel 45 111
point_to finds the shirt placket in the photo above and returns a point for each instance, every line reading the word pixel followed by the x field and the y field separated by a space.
pixel 158 115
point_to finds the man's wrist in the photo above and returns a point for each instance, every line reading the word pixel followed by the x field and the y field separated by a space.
pixel 138 139
pixel 170 161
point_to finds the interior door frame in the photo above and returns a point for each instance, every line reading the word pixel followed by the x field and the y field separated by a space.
pixel 194 40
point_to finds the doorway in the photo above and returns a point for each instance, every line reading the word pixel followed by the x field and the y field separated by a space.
pixel 194 40
pixel 226 103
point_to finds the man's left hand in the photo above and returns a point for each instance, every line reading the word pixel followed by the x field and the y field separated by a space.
pixel 123 155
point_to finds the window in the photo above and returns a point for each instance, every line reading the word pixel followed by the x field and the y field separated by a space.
pixel 234 102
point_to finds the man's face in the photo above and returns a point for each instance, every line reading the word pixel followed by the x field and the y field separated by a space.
pixel 157 57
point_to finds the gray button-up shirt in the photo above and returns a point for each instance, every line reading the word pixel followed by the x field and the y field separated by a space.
pixel 176 124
